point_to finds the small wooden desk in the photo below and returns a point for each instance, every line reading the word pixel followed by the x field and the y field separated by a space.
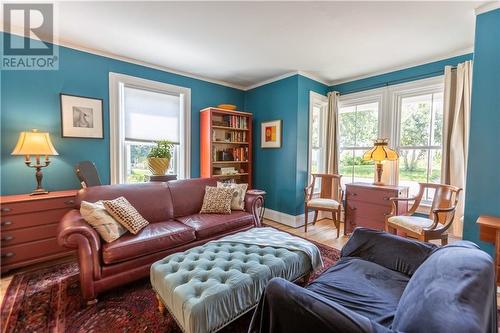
pixel 489 231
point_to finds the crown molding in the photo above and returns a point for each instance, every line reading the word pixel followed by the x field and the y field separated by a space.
pixel 60 42
pixel 286 75
pixel 270 80
pixel 488 7
pixel 407 66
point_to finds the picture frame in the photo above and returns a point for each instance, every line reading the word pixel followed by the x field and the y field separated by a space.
pixel 271 134
pixel 81 117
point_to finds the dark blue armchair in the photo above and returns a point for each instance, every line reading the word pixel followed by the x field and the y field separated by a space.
pixel 385 283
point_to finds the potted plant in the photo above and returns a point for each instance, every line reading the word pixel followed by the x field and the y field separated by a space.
pixel 159 157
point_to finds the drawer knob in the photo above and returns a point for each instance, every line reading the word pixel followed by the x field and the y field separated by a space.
pixel 5 209
pixel 4 223
pixel 386 198
pixel 8 254
pixel 70 202
pixel 353 194
pixel 7 238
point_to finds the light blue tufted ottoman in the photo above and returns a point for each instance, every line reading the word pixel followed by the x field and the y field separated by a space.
pixel 208 286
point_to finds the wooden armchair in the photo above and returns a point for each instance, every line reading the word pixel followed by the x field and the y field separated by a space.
pixel 440 217
pixel 329 200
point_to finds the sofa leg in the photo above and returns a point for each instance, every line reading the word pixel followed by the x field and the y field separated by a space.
pixel 161 306
pixel 92 302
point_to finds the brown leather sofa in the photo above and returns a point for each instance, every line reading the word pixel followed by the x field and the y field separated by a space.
pixel 172 210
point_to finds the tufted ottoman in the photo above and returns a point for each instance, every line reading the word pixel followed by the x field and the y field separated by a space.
pixel 208 286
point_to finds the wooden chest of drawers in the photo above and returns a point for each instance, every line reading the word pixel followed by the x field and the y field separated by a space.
pixel 29 225
pixel 367 205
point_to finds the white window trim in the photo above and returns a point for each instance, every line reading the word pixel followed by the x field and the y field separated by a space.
pixel 315 99
pixel 117 82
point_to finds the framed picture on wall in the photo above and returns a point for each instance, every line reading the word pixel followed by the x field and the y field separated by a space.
pixel 270 136
pixel 81 117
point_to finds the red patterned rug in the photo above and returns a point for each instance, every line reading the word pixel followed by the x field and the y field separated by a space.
pixel 49 300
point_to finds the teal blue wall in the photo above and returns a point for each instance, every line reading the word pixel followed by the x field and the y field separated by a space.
pixel 30 99
pixel 282 172
pixel 274 168
pixel 483 171
pixel 404 75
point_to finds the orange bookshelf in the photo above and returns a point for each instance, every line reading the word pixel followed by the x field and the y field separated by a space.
pixel 226 142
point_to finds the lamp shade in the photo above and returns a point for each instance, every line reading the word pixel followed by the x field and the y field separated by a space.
pixel 380 152
pixel 34 143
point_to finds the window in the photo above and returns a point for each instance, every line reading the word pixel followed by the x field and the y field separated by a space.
pixel 317 135
pixel 143 112
pixel 420 128
pixel 358 128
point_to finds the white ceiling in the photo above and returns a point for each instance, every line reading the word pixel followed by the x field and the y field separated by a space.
pixel 244 43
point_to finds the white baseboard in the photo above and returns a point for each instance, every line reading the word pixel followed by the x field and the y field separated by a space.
pixel 294 221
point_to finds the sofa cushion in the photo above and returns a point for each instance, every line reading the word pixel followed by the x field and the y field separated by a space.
pixel 451 290
pixel 363 287
pixel 208 225
pixel 139 195
pixel 125 214
pixel 187 195
pixel 153 238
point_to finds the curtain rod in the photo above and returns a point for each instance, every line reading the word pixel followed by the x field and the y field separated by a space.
pixel 393 82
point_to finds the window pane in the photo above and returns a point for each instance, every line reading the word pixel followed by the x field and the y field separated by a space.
pixel 437 123
pixel 151 115
pixel 137 169
pixel 413 168
pixel 363 170
pixel 347 126
pixel 353 168
pixel 415 120
pixel 366 124
pixel 316 129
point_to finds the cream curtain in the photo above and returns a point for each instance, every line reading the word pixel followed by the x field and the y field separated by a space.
pixel 332 133
pixel 456 122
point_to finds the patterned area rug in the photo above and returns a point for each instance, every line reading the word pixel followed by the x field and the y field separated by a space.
pixel 49 300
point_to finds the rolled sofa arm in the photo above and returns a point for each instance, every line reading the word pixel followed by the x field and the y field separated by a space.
pixel 252 204
pixel 74 233
pixel 394 252
pixel 285 307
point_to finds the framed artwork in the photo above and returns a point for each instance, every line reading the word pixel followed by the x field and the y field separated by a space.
pixel 270 136
pixel 81 117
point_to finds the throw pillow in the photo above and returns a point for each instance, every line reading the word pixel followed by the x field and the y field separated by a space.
pixel 217 200
pixel 125 214
pixel 96 215
pixel 238 202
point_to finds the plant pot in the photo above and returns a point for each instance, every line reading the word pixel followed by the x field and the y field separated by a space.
pixel 158 165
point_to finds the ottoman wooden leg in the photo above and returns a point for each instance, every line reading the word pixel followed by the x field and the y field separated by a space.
pixel 161 306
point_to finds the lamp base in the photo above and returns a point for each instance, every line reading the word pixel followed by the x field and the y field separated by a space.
pixel 39 191
pixel 379 183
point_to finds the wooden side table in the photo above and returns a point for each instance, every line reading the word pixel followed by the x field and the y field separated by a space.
pixel 164 178
pixel 263 207
pixel 29 227
pixel 489 231
pixel 367 205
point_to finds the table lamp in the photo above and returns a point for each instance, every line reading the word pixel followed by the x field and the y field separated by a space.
pixel 380 152
pixel 35 143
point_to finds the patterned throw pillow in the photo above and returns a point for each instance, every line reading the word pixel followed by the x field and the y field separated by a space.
pixel 125 214
pixel 217 200
pixel 238 202
pixel 96 215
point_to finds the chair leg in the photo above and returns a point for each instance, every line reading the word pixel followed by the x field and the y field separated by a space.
pixel 444 240
pixel 315 217
pixel 338 222
pixel 305 217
